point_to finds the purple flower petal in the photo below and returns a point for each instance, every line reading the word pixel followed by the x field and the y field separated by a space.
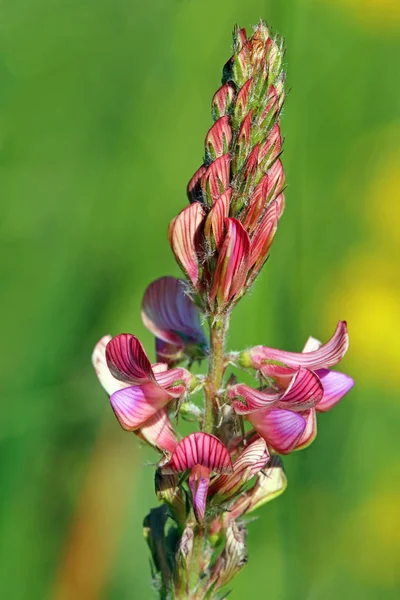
pixel 198 483
pixel 135 405
pixel 280 428
pixel 335 385
pixel 169 313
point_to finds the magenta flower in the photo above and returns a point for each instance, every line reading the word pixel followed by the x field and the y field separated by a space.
pixel 202 453
pixel 157 430
pixel 277 415
pixel 285 415
pixel 170 314
pixel 150 388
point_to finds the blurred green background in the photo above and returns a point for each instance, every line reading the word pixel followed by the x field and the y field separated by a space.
pixel 104 105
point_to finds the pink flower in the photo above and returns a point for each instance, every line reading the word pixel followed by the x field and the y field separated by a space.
pixel 170 314
pixel 202 453
pixel 276 414
pixel 139 391
pixel 284 415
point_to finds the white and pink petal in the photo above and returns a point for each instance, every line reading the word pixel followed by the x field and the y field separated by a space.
pixel 109 383
pixel 158 431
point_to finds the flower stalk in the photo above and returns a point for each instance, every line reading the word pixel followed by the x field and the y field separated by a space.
pixel 230 464
pixel 216 369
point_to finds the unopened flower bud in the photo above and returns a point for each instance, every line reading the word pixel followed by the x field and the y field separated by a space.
pixel 168 491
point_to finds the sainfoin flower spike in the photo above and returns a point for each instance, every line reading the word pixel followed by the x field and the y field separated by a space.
pixel 229 464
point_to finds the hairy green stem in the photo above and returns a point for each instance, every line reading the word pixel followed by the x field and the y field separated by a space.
pixel 216 370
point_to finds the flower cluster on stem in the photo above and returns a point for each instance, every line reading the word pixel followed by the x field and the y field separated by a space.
pixel 230 465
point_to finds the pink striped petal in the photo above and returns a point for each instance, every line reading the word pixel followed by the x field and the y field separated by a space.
pixel 255 400
pixel 243 143
pixel 250 168
pixel 158 431
pixel 277 372
pixel 169 313
pixel 256 205
pixel 280 203
pixel 194 186
pixel 109 383
pixel 174 381
pixel 327 355
pixel 263 237
pixel 135 405
pixel 241 104
pixel 335 385
pixel 276 176
pixel 216 179
pixel 216 219
pixel 127 360
pixel 222 100
pixel 200 449
pixel 273 145
pixel 219 138
pixel 305 391
pixel 232 265
pixel 310 432
pixel 271 107
pixel 280 428
pixel 198 483
pixel 184 238
pixel 252 459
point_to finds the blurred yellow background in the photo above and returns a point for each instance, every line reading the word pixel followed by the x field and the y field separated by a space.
pixel 104 105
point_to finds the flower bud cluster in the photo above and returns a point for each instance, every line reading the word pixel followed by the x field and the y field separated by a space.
pixel 222 239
